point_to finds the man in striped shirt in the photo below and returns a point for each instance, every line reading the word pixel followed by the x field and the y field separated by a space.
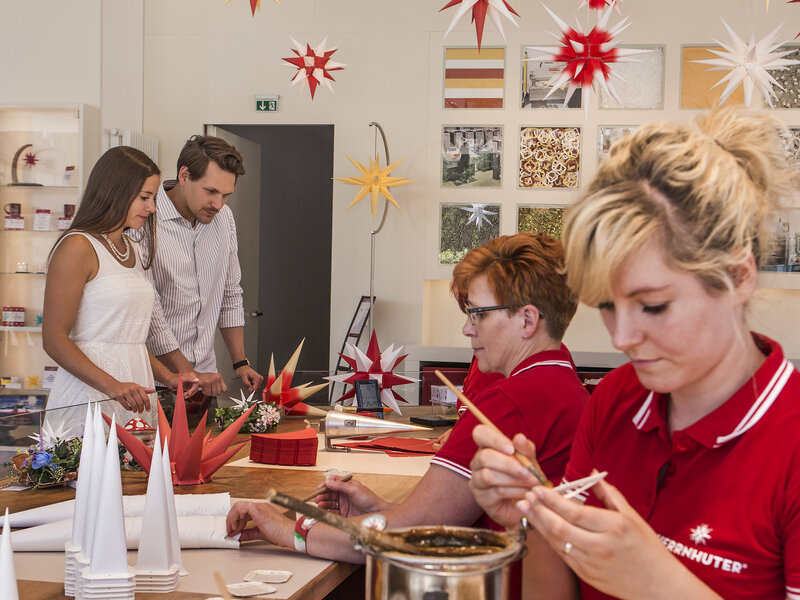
pixel 196 269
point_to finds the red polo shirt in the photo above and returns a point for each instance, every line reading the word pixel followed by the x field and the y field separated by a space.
pixel 723 494
pixel 542 398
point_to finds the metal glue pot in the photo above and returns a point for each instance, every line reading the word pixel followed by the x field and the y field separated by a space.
pixel 484 576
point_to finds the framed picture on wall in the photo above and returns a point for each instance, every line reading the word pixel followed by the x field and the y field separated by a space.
pixel 537 76
pixel 549 157
pixel 464 226
pixel 474 78
pixel 642 83
pixel 697 80
pixel 790 143
pixel 540 219
pixel 789 96
pixel 472 156
pixel 607 135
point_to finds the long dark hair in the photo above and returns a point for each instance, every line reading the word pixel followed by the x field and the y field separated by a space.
pixel 115 180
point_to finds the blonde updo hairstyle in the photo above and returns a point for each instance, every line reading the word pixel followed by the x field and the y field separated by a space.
pixel 704 190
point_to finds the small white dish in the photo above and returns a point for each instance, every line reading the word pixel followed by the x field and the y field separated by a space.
pixel 246 589
pixel 268 576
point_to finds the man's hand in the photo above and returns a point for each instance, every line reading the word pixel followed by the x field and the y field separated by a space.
pixel 250 377
pixel 212 384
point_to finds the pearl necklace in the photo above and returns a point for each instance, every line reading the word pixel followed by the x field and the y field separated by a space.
pixel 121 256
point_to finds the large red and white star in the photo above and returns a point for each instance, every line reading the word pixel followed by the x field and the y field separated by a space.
pixel 314 65
pixel 494 9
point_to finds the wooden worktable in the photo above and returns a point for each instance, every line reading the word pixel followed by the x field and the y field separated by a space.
pixel 241 482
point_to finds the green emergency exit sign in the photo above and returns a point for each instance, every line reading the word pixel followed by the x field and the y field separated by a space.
pixel 266 105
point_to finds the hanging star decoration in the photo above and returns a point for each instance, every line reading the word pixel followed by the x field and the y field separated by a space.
pixel 478 215
pixel 255 4
pixel 749 65
pixel 280 391
pixel 599 4
pixel 375 365
pixel 193 458
pixel 587 57
pixel 313 65
pixel 494 9
pixel 33 382
pixel 30 159
pixel 375 182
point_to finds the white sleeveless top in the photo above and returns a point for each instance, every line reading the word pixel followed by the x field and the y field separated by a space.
pixel 111 329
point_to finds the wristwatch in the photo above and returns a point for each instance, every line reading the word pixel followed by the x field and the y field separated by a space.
pixel 241 363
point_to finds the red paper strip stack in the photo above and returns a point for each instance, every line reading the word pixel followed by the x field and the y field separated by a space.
pixel 294 448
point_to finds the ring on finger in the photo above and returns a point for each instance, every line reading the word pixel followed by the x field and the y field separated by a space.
pixel 567 548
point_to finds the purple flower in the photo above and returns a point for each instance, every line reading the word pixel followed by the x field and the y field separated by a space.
pixel 41 459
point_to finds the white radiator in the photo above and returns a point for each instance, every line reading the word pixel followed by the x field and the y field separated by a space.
pixel 134 139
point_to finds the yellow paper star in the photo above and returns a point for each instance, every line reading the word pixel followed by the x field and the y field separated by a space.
pixel 375 182
pixel 33 382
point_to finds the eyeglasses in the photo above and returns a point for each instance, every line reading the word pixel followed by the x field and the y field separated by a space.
pixel 474 313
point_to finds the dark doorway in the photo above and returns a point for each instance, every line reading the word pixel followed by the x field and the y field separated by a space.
pixel 294 245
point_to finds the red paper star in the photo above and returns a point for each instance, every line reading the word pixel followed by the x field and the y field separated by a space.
pixel 30 159
pixel 279 388
pixel 374 365
pixel 480 9
pixel 313 65
pixel 587 57
pixel 599 4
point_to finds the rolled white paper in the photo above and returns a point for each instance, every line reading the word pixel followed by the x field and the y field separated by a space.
pixel 185 504
pixel 195 531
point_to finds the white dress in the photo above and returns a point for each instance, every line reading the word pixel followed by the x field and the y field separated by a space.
pixel 111 329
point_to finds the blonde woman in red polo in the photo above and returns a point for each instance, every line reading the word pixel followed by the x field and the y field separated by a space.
pixel 698 432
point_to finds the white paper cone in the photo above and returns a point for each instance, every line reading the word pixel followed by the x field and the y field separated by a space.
pixel 341 424
pixel 155 545
pixel 8 577
pixel 109 555
pixel 98 455
pixel 44 514
pixel 169 502
pixel 80 504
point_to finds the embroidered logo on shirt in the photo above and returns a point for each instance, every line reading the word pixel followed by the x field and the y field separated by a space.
pixel 701 556
pixel 701 534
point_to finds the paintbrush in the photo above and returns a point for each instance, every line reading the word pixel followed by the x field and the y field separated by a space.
pixel 523 460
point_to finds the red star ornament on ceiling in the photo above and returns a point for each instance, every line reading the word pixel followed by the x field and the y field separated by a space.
pixel 255 4
pixel 375 365
pixel 280 391
pixel 494 9
pixel 599 4
pixel 313 65
pixel 587 56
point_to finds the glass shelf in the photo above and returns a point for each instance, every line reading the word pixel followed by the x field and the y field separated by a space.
pixel 23 391
pixel 21 329
pixel 38 187
pixel 21 273
pixel 31 230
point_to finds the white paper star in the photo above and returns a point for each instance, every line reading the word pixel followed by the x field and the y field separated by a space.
pixel 478 215
pixel 244 403
pixel 48 436
pixel 749 64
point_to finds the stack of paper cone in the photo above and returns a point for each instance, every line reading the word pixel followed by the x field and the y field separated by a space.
pixel 156 568
pixel 108 574
pixel 8 577
pixel 72 548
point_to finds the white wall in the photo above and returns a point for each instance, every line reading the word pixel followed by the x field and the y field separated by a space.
pixel 204 60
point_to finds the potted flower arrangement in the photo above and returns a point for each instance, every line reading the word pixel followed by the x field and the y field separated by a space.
pixel 45 465
pixel 264 418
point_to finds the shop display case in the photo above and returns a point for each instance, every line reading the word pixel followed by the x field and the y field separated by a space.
pixel 46 153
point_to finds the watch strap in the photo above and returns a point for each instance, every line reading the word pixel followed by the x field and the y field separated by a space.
pixel 241 363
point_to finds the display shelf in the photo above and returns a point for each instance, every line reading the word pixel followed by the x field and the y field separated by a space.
pixel 21 273
pixel 14 328
pixel 23 391
pixel 39 187
pixel 31 230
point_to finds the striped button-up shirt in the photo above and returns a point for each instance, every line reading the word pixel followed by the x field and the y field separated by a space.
pixel 196 276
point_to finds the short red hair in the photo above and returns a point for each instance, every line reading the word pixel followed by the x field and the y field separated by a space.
pixel 521 269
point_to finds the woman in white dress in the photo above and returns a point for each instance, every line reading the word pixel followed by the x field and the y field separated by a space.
pixel 98 301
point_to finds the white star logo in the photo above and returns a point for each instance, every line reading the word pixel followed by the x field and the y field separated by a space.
pixel 701 534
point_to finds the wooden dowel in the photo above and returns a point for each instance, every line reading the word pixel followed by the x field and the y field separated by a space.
pixel 523 460
pixel 223 589
pixel 325 490
pixel 373 537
